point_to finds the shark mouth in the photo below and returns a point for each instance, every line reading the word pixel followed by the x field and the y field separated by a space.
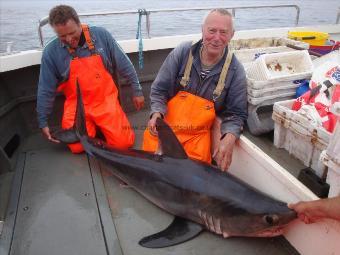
pixel 272 232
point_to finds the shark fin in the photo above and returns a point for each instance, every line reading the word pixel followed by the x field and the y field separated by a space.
pixel 179 231
pixel 80 122
pixel 170 146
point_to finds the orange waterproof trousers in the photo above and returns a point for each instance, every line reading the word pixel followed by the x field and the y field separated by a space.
pixel 100 97
pixel 191 118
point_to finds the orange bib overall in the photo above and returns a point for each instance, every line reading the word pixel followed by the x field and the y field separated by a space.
pixel 100 97
pixel 191 117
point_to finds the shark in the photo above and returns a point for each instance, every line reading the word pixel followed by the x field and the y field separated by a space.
pixel 199 195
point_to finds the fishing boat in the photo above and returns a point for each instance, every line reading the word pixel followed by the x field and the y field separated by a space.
pixel 54 202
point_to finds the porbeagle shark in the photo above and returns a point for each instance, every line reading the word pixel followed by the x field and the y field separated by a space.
pixel 201 196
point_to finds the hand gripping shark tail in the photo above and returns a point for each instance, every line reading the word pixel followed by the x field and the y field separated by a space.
pixel 72 135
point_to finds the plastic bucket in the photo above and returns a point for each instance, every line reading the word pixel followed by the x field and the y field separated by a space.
pixel 311 37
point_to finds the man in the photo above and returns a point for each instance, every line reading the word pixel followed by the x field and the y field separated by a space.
pixel 90 57
pixel 196 81
pixel 312 211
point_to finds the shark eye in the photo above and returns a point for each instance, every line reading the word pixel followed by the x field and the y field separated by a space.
pixel 271 219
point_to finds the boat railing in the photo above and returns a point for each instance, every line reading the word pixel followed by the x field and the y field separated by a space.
pixel 147 13
pixel 338 17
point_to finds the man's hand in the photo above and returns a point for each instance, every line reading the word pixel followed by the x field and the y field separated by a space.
pixel 152 123
pixel 47 134
pixel 138 102
pixel 312 211
pixel 224 151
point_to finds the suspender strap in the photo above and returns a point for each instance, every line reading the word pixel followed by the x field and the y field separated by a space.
pixel 89 42
pixel 72 52
pixel 185 79
pixel 220 85
pixel 87 35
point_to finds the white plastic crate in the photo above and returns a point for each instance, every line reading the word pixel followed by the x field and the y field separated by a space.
pixel 289 87
pixel 284 65
pixel 299 136
pixel 273 97
pixel 331 156
pixel 248 55
pixel 277 84
pixel 333 175
pixel 263 42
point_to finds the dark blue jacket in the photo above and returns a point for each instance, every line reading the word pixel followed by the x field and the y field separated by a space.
pixel 231 106
pixel 55 65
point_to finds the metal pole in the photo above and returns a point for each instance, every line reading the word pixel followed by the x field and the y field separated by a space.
pixel 44 21
pixel 297 15
pixel 148 24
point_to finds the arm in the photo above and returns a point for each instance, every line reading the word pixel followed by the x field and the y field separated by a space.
pixel 312 211
pixel 46 93
pixel 164 85
pixel 232 118
pixel 122 64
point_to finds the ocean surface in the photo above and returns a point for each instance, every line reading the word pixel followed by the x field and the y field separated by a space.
pixel 19 18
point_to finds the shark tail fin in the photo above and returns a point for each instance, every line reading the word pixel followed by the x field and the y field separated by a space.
pixel 80 122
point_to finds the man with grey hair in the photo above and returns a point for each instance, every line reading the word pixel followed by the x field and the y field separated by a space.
pixel 201 85
pixel 90 57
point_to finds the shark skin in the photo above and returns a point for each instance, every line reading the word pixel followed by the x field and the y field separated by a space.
pixel 201 196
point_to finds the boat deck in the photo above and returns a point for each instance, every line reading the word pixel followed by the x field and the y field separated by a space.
pixel 70 204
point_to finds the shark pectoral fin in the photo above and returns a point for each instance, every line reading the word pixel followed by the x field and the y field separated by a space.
pixel 169 144
pixel 179 231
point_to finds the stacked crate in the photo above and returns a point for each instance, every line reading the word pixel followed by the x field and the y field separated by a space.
pixel 271 78
pixel 264 89
pixel 299 136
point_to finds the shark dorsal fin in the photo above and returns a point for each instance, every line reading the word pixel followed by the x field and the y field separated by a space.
pixel 169 144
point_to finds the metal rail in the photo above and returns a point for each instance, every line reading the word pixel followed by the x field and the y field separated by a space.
pixel 338 17
pixel 42 22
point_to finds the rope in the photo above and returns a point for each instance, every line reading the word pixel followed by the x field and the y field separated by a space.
pixel 139 36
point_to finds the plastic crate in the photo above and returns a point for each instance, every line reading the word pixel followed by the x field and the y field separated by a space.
pixel 248 55
pixel 259 121
pixel 275 85
pixel 277 96
pixel 259 117
pixel 331 157
pixel 333 175
pixel 295 133
pixel 278 90
pixel 263 42
pixel 285 65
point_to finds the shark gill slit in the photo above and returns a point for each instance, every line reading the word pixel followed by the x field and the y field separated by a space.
pixel 213 224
